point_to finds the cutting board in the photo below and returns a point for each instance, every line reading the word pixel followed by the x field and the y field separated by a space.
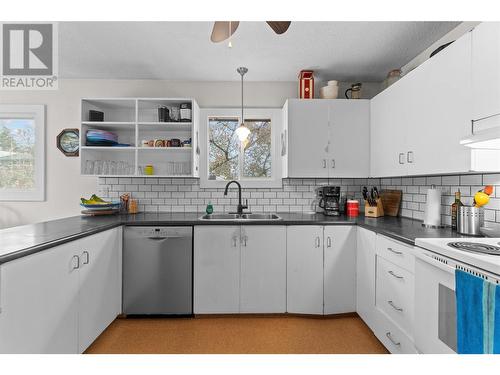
pixel 391 201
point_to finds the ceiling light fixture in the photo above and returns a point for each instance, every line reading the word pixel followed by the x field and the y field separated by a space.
pixel 242 131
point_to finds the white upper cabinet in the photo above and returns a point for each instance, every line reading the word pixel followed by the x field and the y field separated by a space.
pixel 486 71
pixel 438 108
pixel 418 122
pixel 349 138
pixel 308 138
pixel 327 138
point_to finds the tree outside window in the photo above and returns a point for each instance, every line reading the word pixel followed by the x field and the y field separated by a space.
pixel 231 160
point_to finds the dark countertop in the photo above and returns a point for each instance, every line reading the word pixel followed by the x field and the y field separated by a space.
pixel 24 240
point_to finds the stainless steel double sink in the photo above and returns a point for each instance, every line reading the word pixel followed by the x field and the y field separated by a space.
pixel 242 217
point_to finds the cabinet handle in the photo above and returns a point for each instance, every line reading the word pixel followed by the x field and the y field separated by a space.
pixel 394 251
pixel 394 306
pixel 245 239
pixel 77 262
pixel 328 242
pixel 317 242
pixel 408 158
pixel 389 336
pixel 333 163
pixel 401 158
pixel 396 276
pixel 235 239
pixel 87 257
pixel 324 163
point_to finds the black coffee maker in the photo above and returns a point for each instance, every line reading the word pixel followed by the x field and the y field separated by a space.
pixel 329 200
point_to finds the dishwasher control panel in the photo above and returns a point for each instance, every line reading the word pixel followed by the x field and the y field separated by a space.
pixel 162 232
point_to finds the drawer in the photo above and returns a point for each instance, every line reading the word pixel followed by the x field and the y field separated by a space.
pixel 396 252
pixel 393 338
pixel 395 294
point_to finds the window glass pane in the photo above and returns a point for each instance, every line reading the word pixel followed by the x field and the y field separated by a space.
pixel 223 149
pixel 257 158
pixel 17 154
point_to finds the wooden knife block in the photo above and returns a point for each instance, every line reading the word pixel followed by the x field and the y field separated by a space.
pixel 374 211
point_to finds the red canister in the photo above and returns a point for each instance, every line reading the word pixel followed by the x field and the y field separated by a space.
pixel 306 84
pixel 352 208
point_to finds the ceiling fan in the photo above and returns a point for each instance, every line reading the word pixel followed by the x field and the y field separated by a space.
pixel 223 30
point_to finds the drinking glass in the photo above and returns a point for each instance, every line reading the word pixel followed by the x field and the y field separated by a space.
pixel 89 167
pixel 98 167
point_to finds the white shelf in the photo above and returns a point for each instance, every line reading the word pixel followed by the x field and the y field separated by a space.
pixel 165 126
pixel 108 148
pixel 165 149
pixel 134 119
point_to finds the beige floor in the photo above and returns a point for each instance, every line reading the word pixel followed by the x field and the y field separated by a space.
pixel 238 335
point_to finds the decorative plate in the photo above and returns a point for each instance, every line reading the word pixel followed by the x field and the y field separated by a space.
pixel 68 141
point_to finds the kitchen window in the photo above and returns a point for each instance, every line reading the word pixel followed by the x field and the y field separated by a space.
pixel 22 152
pixel 255 162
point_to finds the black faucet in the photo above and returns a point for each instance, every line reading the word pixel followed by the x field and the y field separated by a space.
pixel 240 206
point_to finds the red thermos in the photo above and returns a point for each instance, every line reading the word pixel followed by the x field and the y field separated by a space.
pixel 306 84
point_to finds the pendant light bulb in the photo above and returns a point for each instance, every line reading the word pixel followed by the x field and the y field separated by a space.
pixel 242 132
pixel 230 43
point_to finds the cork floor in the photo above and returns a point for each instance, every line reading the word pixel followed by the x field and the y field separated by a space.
pixel 238 335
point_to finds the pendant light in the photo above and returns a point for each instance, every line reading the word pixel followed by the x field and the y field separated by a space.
pixel 242 131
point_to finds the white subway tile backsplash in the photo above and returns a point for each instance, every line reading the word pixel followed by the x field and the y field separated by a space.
pixel 296 195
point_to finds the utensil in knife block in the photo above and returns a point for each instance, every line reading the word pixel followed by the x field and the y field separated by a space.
pixel 374 211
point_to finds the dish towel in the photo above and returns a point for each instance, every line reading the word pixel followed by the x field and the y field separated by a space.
pixel 478 309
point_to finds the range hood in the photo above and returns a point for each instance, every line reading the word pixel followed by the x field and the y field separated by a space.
pixel 487 139
pixel 485 134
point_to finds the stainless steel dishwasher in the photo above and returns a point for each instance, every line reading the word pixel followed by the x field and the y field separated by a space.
pixel 158 271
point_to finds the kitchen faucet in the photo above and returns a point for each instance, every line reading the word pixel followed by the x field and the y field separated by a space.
pixel 240 206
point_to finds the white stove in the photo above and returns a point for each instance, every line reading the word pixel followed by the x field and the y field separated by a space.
pixel 483 253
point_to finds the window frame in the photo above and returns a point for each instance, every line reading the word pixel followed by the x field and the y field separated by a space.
pixel 37 113
pixel 274 114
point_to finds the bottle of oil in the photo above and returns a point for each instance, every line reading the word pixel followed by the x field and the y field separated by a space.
pixel 454 210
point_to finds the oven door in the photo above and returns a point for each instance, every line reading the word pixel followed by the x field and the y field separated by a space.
pixel 435 309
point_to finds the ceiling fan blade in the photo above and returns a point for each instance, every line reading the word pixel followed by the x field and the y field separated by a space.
pixel 279 27
pixel 223 30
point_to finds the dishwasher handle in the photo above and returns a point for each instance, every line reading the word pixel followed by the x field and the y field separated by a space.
pixel 165 238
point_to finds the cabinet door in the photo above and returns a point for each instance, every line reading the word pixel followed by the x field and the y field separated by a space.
pixel 307 138
pixel 216 269
pixel 39 302
pixel 485 70
pixel 349 151
pixel 340 269
pixel 438 104
pixel 263 269
pixel 305 269
pixel 365 276
pixel 100 284
pixel 388 132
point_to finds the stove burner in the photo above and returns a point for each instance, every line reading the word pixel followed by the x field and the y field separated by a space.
pixel 475 247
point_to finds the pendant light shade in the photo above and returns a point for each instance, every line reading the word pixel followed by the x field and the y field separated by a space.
pixel 242 132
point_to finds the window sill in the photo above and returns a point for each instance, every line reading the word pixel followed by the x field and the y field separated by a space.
pixel 275 183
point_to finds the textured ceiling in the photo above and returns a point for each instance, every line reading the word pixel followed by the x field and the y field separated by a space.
pixel 347 51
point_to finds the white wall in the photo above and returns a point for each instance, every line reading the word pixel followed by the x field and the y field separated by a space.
pixel 64 185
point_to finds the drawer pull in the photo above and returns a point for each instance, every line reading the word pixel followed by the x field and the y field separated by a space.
pixel 394 251
pixel 389 336
pixel 396 276
pixel 394 306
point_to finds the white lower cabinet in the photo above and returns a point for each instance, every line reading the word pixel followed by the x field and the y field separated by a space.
pixel 59 300
pixel 365 276
pixel 239 269
pixel 339 269
pixel 321 269
pixel 263 269
pixel 100 285
pixel 386 290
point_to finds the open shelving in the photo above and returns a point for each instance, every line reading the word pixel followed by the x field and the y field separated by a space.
pixel 134 120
